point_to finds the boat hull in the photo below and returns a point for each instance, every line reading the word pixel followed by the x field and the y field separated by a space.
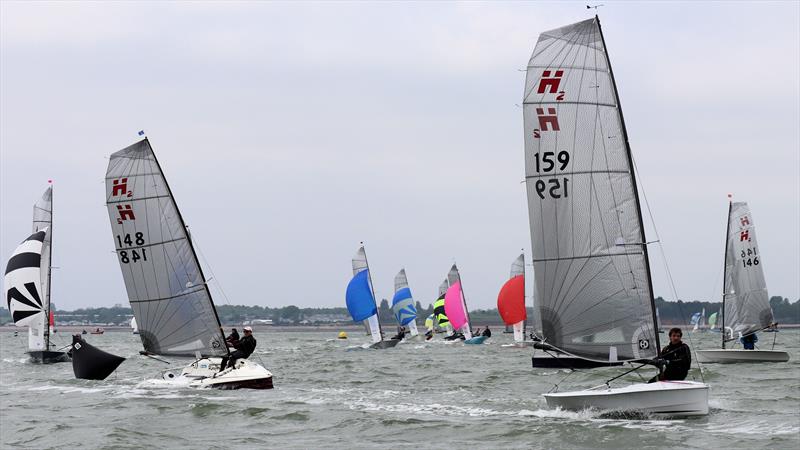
pixel 48 357
pixel 205 373
pixel 477 340
pixel 389 343
pixel 731 356
pixel 667 398
pixel 560 361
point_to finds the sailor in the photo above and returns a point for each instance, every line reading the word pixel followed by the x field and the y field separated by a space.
pixel 233 338
pixel 675 358
pixel 487 332
pixel 244 347
pixel 749 341
pixel 401 333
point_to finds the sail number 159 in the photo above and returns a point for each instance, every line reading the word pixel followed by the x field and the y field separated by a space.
pixel 546 162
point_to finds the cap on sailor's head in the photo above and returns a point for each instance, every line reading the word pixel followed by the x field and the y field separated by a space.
pixel 248 329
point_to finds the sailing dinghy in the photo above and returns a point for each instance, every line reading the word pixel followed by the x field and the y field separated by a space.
pixel 403 304
pixel 442 322
pixel 455 306
pixel 167 290
pixel 511 301
pixel 593 290
pixel 745 302
pixel 27 284
pixel 360 299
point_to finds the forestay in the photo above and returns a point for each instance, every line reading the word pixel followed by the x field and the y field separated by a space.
pixel 592 284
pixel 746 302
pixel 166 287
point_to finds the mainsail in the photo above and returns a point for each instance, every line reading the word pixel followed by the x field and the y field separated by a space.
pixel 403 304
pixel 593 290
pixel 360 297
pixel 166 287
pixel 455 305
pixel 745 301
pixel 27 277
pixel 511 300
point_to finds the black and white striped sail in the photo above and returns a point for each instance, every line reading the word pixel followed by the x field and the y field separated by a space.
pixel 592 286
pixel 746 301
pixel 166 287
pixel 25 294
pixel 27 277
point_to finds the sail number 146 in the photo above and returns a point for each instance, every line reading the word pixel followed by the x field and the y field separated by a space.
pixel 132 255
pixel 545 163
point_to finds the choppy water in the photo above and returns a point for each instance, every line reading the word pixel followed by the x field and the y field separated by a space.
pixel 421 395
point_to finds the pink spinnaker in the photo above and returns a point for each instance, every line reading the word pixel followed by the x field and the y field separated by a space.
pixel 454 306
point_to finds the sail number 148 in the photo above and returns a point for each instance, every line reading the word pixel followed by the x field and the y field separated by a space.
pixel 132 255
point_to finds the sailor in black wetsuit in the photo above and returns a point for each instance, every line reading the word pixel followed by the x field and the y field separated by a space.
pixel 244 348
pixel 487 332
pixel 675 358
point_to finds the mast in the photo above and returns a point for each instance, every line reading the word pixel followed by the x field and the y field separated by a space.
pixel 372 290
pixel 725 269
pixel 189 240
pixel 635 187
pixel 49 276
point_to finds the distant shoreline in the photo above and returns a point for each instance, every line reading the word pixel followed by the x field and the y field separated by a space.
pixel 293 328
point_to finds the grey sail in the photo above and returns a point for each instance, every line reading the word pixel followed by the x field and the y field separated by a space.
pixel 593 292
pixel 518 266
pixel 166 287
pixel 43 221
pixel 746 302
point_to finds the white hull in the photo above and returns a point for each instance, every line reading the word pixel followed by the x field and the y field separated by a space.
pixel 669 398
pixel 741 356
pixel 205 373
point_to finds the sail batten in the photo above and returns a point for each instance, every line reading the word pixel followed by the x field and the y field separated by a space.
pixel 166 287
pixel 592 283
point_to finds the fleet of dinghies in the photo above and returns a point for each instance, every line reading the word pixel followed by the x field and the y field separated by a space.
pixel 592 292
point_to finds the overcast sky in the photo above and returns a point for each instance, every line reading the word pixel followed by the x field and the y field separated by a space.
pixel 289 132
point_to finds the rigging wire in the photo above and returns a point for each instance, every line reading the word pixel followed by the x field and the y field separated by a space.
pixel 666 264
pixel 210 269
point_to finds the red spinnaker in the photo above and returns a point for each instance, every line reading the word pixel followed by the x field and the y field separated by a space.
pixel 511 301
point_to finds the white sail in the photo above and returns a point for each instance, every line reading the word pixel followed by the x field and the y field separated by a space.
pixel 745 301
pixel 403 303
pixel 593 291
pixel 166 287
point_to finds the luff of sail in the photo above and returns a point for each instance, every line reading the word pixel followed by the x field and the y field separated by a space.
pixel 165 284
pixel 746 301
pixel 511 299
pixel 403 303
pixel 360 296
pixel 592 284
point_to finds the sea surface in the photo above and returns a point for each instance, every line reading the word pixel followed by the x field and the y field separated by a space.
pixel 334 394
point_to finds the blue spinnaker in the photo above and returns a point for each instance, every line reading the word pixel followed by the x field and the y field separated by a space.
pixel 403 306
pixel 360 302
